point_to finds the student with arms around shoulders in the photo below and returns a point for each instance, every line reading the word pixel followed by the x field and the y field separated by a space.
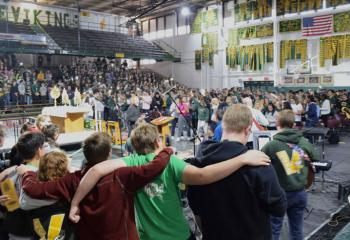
pixel 291 153
pixel 108 210
pixel 158 206
pixel 237 207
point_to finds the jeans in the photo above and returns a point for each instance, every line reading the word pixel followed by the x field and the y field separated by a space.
pixel 173 126
pixel 183 126
pixel 7 100
pixel 29 100
pixel 296 204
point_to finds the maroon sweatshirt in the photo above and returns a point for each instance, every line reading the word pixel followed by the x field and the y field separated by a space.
pixel 107 212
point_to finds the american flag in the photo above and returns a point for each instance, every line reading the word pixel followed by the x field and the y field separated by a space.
pixel 317 26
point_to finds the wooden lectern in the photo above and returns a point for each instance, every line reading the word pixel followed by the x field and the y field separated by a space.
pixel 69 119
pixel 163 127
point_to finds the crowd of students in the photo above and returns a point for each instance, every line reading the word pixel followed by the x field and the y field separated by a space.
pixel 236 193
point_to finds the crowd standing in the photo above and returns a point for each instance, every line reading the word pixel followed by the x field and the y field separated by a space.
pixel 146 184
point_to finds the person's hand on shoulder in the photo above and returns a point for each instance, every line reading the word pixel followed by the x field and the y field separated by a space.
pixel 7 172
pixel 22 169
pixel 256 158
pixel 74 213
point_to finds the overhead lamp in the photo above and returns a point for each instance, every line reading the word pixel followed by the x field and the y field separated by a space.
pixel 185 11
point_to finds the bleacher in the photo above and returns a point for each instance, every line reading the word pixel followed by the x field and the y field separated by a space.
pixel 104 43
pixel 93 43
pixel 16 28
pixel 12 45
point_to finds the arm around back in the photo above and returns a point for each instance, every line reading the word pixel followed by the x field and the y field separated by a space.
pixel 270 193
pixel 137 177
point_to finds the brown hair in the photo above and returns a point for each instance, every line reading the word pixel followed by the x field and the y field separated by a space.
pixel 286 119
pixel 97 148
pixel 144 138
pixel 237 118
pixel 52 166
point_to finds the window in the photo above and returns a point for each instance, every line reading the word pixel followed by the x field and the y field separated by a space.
pixel 183 27
pixel 153 29
pixel 161 28
pixel 169 25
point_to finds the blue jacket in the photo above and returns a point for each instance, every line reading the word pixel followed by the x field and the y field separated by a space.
pixel 218 132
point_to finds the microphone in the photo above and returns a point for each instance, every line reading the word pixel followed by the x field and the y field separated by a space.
pixel 168 91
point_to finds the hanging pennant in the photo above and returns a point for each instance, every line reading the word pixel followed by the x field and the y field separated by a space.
pixel 198 59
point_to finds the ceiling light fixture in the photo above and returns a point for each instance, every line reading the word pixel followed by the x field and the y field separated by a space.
pixel 185 11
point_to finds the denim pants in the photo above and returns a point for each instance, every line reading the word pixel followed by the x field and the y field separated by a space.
pixel 296 204
pixel 29 100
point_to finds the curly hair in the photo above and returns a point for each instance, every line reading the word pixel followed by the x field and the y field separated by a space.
pixel 52 166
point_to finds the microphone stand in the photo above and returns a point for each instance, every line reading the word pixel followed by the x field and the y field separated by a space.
pixel 195 136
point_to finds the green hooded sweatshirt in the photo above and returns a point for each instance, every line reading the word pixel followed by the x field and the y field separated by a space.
pixel 288 151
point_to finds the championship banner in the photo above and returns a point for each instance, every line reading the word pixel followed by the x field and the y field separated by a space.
pixel 265 30
pixel 290 26
pixel 249 10
pixel 210 40
pixel 233 38
pixel 297 6
pixel 247 32
pixel 196 23
pixel 341 22
pixel 259 31
pixel 211 58
pixel 335 3
pixel 211 18
pixel 205 54
pixel 198 59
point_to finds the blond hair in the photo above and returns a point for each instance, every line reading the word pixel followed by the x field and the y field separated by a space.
pixel 286 119
pixel 144 138
pixel 134 99
pixel 53 166
pixel 237 118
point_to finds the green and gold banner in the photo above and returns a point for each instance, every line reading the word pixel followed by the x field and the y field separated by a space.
pixel 196 23
pixel 341 22
pixel 335 3
pixel 247 32
pixel 290 26
pixel 252 57
pixel 250 10
pixel 259 31
pixel 293 50
pixel 334 48
pixel 211 18
pixel 297 6
pixel 211 58
pixel 205 54
pixel 210 40
pixel 233 37
pixel 198 59
pixel 265 30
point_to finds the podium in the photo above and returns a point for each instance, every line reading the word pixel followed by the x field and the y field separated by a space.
pixel 69 119
pixel 163 127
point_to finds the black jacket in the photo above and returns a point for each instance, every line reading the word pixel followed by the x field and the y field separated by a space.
pixel 237 207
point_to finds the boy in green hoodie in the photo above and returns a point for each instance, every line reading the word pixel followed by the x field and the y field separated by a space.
pixel 289 151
